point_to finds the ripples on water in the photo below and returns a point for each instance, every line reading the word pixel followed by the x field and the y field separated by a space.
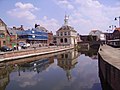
pixel 69 70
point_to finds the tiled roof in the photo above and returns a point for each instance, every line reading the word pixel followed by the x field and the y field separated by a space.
pixel 117 29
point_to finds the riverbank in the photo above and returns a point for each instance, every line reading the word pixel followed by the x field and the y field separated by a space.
pixel 109 67
pixel 110 55
pixel 32 52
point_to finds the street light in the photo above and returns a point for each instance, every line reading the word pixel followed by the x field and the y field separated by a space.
pixel 33 36
pixel 118 20
pixel 112 27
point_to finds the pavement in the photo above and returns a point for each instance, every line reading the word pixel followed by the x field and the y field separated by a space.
pixel 48 50
pixel 110 55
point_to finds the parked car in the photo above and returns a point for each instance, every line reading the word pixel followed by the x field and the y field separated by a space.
pixel 24 45
pixel 5 49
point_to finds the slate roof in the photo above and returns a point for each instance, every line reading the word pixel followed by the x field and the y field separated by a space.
pixel 66 27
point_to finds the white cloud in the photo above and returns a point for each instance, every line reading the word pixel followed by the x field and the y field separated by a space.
pixel 23 11
pixel 85 15
pixel 27 79
pixel 27 6
pixel 90 14
pixel 64 4
pixel 50 24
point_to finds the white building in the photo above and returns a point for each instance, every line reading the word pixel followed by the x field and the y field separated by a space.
pixel 66 35
pixel 96 33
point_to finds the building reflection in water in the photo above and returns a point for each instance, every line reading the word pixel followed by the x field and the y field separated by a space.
pixel 67 61
pixel 36 66
pixel 4 75
pixel 91 52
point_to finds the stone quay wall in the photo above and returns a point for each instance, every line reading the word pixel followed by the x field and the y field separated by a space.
pixel 109 71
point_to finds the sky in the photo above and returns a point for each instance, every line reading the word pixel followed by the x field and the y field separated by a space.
pixel 84 15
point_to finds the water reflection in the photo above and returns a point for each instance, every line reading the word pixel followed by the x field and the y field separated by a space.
pixel 4 75
pixel 90 52
pixel 37 66
pixel 67 61
pixel 68 70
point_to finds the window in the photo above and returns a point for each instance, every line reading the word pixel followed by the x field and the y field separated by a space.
pixel 66 55
pixel 4 42
pixel 65 40
pixel 68 33
pixel 61 40
pixel 58 34
pixel 2 35
pixel 65 33
pixel 62 56
pixel 61 33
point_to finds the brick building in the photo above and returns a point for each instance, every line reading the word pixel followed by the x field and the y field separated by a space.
pixel 50 38
pixel 4 36
pixel 116 33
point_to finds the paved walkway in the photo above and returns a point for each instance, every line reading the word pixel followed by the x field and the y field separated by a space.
pixel 47 51
pixel 110 55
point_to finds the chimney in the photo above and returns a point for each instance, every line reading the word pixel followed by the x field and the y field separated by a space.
pixel 14 27
pixel 21 27
pixel 36 25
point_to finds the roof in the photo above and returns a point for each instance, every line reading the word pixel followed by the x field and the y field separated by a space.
pixel 11 31
pixel 2 26
pixel 42 28
pixel 2 22
pixel 94 32
pixel 117 29
pixel 66 27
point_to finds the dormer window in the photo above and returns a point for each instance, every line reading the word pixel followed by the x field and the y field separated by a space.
pixel 61 33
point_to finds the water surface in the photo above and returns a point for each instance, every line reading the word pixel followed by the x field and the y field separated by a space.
pixel 68 70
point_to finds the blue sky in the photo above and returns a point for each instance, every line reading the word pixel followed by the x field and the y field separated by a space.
pixel 84 15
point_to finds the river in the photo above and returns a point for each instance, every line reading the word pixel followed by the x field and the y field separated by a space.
pixel 68 70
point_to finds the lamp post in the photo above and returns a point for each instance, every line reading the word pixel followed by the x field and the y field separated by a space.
pixel 33 36
pixel 112 27
pixel 16 36
pixel 118 20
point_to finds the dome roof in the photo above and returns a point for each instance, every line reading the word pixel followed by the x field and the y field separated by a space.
pixel 66 27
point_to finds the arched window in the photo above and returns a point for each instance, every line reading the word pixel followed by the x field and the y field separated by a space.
pixel 61 40
pixel 65 40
